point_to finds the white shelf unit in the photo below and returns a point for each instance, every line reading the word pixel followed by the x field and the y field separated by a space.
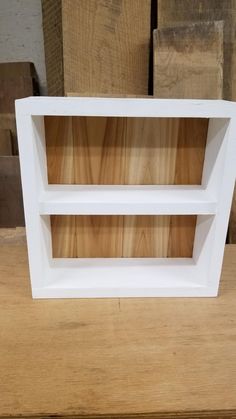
pixel 127 277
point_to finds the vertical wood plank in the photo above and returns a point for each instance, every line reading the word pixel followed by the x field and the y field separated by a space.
pixel 52 32
pixel 106 46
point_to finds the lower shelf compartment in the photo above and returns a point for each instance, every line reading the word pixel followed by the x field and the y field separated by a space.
pixel 127 236
pixel 72 278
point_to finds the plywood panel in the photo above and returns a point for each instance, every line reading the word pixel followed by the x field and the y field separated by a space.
pixel 121 236
pixel 63 236
pixel 99 147
pixel 188 61
pixel 106 46
pixel 145 236
pixel 192 135
pixel 150 151
pixel 127 151
pixel 181 236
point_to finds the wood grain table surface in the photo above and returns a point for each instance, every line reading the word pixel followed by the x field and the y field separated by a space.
pixel 122 358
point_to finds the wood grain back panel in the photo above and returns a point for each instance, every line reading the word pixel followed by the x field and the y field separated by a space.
pixel 106 236
pixel 130 151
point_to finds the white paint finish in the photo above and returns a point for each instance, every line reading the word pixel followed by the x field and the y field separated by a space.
pixel 165 200
pixel 21 35
pixel 66 278
pixel 162 108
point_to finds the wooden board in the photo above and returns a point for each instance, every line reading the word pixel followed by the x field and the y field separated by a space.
pixel 52 31
pixel 181 12
pixel 106 46
pixel 5 142
pixel 14 70
pixel 8 122
pixel 17 80
pixel 188 61
pixel 131 358
pixel 11 208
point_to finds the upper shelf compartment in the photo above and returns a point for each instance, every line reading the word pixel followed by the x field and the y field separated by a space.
pixel 125 150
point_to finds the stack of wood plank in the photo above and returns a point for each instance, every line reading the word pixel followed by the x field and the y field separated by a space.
pixel 17 80
pixel 102 47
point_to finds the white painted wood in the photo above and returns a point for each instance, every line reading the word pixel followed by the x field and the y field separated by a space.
pixel 162 108
pixel 70 278
pixel 165 200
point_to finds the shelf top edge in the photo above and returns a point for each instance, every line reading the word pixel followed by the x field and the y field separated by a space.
pixel 125 107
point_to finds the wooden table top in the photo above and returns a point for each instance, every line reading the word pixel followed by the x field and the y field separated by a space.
pixel 123 357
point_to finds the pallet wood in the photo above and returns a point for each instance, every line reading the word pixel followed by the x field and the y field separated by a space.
pixel 5 142
pixel 11 209
pixel 149 344
pixel 52 31
pixel 188 61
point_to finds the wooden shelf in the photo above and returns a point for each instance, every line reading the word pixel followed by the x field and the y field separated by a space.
pixel 93 151
pixel 166 200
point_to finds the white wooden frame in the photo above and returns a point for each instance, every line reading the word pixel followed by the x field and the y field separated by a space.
pixel 70 278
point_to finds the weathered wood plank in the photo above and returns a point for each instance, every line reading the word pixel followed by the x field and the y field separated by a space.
pixel 53 43
pixel 106 46
pixel 188 61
